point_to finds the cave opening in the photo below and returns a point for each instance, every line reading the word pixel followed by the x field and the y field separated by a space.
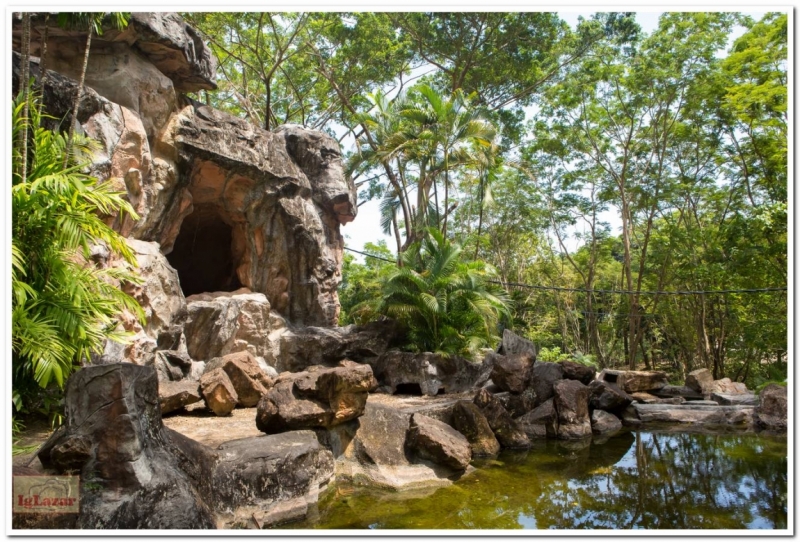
pixel 203 254
pixel 408 388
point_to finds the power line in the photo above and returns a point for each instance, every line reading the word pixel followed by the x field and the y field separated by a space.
pixel 642 292
pixel 625 292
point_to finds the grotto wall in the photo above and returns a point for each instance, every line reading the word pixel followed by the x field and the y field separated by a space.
pixel 225 208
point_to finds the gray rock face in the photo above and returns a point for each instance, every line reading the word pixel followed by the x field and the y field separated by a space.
pixel 175 395
pixel 222 323
pixel 303 347
pixel 608 397
pixel 695 414
pixel 540 422
pixel 576 371
pixel 248 379
pixel 677 391
pixel 545 375
pixel 604 423
pixel 470 422
pixel 175 48
pixel 318 397
pixel 438 442
pixel 571 401
pixel 514 344
pixel 772 410
pixel 518 404
pixel 272 478
pixel 113 412
pixel 631 381
pixel 372 450
pixel 735 398
pixel 284 243
pixel 508 433
pixel 218 391
pixel 431 372
pixel 512 372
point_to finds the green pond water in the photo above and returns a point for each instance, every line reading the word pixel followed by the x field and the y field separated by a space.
pixel 636 480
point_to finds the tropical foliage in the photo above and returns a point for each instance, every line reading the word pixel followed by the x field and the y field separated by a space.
pixel 63 306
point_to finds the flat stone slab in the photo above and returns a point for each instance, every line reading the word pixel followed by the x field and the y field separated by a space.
pixel 695 414
pixel 735 398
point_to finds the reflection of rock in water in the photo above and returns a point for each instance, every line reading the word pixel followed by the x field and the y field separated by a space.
pixel 608 452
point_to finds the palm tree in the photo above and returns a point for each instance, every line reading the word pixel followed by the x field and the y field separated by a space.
pixel 448 128
pixel 63 307
pixel 449 306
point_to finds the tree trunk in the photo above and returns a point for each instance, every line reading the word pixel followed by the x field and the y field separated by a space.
pixel 23 93
pixel 480 218
pixel 43 64
pixel 79 95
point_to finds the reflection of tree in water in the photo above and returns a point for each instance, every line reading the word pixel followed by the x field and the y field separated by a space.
pixel 641 480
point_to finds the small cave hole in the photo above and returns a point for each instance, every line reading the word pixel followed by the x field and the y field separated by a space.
pixel 202 254
pixel 408 389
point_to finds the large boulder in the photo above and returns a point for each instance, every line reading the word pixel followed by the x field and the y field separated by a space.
pixel 604 423
pixel 678 391
pixel 222 323
pixel 317 397
pixel 430 373
pixel 631 381
pixel 248 379
pixel 175 395
pixel 218 391
pixel 438 442
pixel 699 380
pixel 514 344
pixel 726 386
pixel 772 410
pixel 372 450
pixel 544 376
pixel 512 372
pixel 571 401
pixel 271 479
pixel 306 346
pixel 130 479
pixel 518 404
pixel 507 431
pixel 607 396
pixel 691 413
pixel 577 371
pixel 470 422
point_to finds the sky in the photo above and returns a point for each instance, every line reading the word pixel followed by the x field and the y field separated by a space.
pixel 366 227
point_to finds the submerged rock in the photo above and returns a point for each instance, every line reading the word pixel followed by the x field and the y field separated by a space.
pixel 604 423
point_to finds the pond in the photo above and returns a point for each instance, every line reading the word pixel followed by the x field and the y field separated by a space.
pixel 635 480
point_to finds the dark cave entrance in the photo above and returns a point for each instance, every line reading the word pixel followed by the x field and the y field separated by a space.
pixel 202 253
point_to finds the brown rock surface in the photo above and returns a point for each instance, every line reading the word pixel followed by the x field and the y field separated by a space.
pixel 175 395
pixel 772 410
pixel 470 422
pixel 438 442
pixel 571 402
pixel 248 379
pixel 218 391
pixel 512 372
pixel 507 431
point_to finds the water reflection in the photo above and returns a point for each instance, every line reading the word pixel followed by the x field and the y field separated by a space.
pixel 632 481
